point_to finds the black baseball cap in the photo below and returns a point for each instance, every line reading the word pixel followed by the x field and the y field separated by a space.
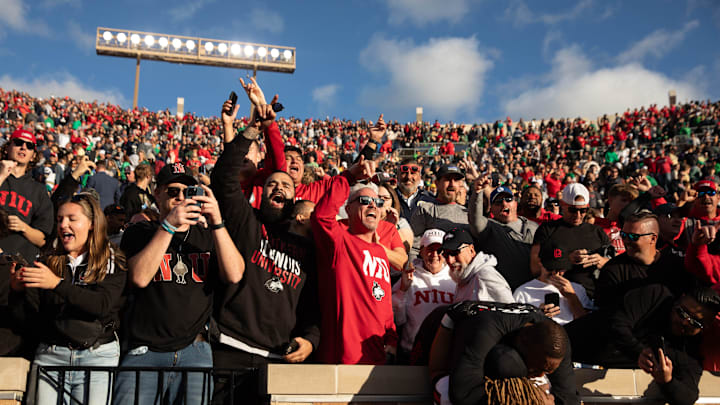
pixel 665 209
pixel 450 170
pixel 175 173
pixel 554 257
pixel 455 238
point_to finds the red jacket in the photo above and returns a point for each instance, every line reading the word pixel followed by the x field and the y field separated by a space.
pixel 354 286
pixel 703 265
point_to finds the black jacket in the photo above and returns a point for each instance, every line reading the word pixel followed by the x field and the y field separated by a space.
pixel 276 299
pixel 473 339
pixel 73 299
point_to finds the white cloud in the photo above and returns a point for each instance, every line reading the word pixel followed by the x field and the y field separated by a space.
pixel 574 88
pixel 656 44
pixel 520 14
pixel 427 11
pixel 188 9
pixel 61 85
pixel 14 16
pixel 84 39
pixel 267 20
pixel 445 75
pixel 325 95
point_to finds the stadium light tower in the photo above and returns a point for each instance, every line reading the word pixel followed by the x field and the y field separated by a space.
pixel 192 50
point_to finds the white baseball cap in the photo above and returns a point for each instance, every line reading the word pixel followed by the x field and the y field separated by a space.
pixel 432 236
pixel 573 191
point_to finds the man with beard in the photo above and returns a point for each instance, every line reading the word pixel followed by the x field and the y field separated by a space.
pixel 444 213
pixel 409 175
pixel 268 312
pixel 506 235
pixel 357 316
pixel 289 160
pixel 531 206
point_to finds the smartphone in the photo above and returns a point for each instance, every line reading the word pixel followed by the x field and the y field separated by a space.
pixel 657 343
pixel 552 298
pixel 233 98
pixel 495 176
pixel 193 191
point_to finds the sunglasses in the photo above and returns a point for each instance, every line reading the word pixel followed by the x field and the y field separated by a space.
pixel 633 236
pixel 409 169
pixel 574 210
pixel 173 192
pixel 367 200
pixel 19 142
pixel 554 203
pixel 710 193
pixel 682 313
pixel 453 253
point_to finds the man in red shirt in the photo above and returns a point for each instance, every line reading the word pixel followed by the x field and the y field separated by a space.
pixel 357 324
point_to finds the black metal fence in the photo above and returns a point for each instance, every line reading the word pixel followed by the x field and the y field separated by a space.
pixel 232 379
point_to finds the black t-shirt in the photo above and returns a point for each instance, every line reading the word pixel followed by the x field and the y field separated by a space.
pixel 570 238
pixel 28 200
pixel 134 199
pixel 168 314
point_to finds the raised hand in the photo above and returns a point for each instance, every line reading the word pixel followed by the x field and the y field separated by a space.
pixel 378 130
pixel 228 113
pixel 254 92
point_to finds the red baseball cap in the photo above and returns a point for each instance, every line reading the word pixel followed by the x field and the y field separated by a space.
pixel 25 135
pixel 705 184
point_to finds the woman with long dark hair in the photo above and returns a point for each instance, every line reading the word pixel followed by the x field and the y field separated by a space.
pixel 75 293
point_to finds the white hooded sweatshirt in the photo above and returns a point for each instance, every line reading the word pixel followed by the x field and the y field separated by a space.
pixel 479 281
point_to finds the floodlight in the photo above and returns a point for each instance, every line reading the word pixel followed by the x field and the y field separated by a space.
pixel 190 44
pixel 235 49
pixel 249 50
pixel 163 42
pixel 222 48
pixel 107 36
pixel 122 37
pixel 135 39
pixel 176 43
pixel 262 51
pixel 149 40
pixel 274 53
pixel 287 54
pixel 209 47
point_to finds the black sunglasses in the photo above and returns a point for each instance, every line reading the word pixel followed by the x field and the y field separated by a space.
pixel 366 200
pixel 703 193
pixel 409 168
pixel 682 313
pixel 633 236
pixel 173 192
pixel 19 142
pixel 574 210
pixel 453 253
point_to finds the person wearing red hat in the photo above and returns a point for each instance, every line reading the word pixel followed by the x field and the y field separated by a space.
pixel 30 212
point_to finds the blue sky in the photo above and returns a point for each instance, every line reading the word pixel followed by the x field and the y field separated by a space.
pixel 461 60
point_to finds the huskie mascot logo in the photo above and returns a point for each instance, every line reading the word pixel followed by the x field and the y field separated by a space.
pixel 377 291
pixel 274 285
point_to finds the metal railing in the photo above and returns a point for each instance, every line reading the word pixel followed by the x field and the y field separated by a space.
pixel 56 376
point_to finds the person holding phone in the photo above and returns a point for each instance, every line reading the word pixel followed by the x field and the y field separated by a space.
pixel 73 298
pixel 557 297
pixel 171 266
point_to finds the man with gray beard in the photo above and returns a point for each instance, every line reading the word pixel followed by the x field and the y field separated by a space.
pixel 409 175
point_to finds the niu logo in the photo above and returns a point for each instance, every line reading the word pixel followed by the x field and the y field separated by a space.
pixel 557 253
pixel 178 168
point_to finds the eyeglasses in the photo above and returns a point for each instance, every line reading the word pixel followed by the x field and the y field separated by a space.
pixel 366 200
pixel 174 192
pixel 633 236
pixel 507 199
pixel 409 169
pixel 574 210
pixel 682 313
pixel 710 193
pixel 453 253
pixel 554 203
pixel 19 142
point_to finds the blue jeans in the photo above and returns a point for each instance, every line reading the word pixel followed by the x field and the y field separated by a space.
pixel 100 383
pixel 199 386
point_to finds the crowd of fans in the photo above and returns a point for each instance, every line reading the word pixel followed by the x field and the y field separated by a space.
pixel 501 255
